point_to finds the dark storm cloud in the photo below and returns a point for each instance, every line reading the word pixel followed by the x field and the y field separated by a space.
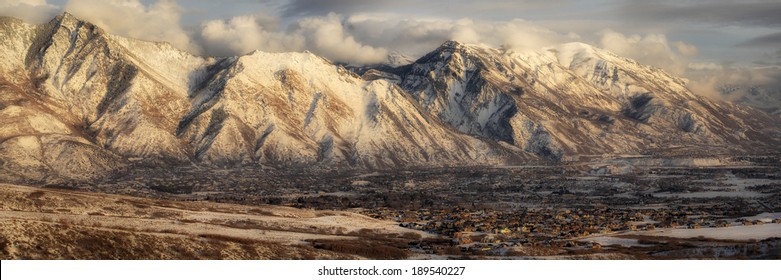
pixel 770 40
pixel 489 9
pixel 767 14
pixel 771 59
pixel 320 7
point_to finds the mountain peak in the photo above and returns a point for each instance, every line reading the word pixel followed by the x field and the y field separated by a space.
pixel 456 45
pixel 396 59
pixel 66 18
pixel 450 49
pixel 66 14
pixel 452 44
pixel 578 45
pixel 568 52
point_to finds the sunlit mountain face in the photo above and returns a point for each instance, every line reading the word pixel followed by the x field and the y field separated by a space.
pixel 103 99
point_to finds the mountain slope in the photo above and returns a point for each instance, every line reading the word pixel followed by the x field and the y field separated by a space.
pixel 77 103
pixel 766 98
pixel 134 100
pixel 576 100
pixel 36 141
pixel 670 103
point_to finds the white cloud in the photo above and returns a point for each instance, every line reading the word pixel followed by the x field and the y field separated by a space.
pixel 416 37
pixel 464 31
pixel 34 11
pixel 712 80
pixel 243 34
pixel 699 66
pixel 131 18
pixel 651 49
pixel 328 37
pixel 686 49
pixel 367 38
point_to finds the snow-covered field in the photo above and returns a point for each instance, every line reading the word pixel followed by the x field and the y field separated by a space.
pixel 106 212
pixel 712 194
pixel 731 186
pixel 610 240
pixel 765 217
pixel 756 232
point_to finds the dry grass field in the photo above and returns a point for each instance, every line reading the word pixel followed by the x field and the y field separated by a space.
pixel 38 223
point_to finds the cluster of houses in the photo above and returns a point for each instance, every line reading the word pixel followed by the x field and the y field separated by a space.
pixel 492 229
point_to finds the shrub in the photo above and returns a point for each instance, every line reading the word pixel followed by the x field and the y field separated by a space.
pixel 366 248
pixel 35 195
pixel 233 239
pixel 3 245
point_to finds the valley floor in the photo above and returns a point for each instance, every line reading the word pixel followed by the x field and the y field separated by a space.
pixel 612 210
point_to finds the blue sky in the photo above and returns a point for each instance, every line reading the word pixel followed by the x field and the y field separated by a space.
pixel 690 38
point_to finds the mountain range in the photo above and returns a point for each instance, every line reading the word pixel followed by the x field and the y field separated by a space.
pixel 78 103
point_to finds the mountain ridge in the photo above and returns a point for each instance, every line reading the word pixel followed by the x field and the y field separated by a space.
pixel 78 103
pixel 463 83
pixel 138 100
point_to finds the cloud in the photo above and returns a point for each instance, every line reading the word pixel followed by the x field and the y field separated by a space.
pixel 243 34
pixel 769 59
pixel 322 7
pixel 158 21
pixel 367 38
pixel 34 11
pixel 700 66
pixel 756 86
pixel 417 37
pixel 326 36
pixel 742 13
pixel 651 49
pixel 770 40
pixel 686 49
pixel 451 9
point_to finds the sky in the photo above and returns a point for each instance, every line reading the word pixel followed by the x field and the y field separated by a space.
pixel 711 43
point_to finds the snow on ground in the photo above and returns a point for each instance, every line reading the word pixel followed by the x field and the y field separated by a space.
pixel 731 186
pixel 757 232
pixel 609 240
pixel 277 224
pixel 765 217
pixel 741 184
pixel 712 194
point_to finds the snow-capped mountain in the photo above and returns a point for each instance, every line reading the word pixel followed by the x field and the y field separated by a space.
pixel 73 92
pixel 78 103
pixel 573 100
